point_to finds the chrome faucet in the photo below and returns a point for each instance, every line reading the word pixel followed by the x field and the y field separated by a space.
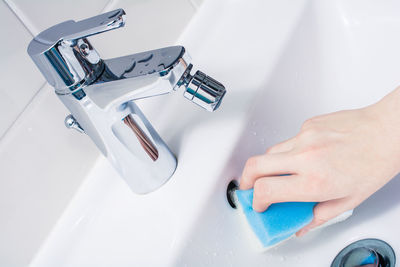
pixel 100 94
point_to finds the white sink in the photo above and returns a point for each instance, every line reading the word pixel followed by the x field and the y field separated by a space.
pixel 281 62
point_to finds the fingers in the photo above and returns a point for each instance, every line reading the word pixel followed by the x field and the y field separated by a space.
pixel 265 165
pixel 277 189
pixel 326 211
pixel 285 146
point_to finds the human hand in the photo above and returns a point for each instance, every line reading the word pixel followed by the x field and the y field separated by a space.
pixel 338 160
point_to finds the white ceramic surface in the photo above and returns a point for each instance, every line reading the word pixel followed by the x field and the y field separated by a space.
pixel 282 62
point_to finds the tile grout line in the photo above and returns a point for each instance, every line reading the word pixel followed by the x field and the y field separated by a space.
pixel 28 25
pixel 109 6
pixel 26 22
pixel 195 6
pixel 33 32
pixel 19 116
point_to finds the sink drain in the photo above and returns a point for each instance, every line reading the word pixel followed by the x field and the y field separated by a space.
pixel 230 191
pixel 366 252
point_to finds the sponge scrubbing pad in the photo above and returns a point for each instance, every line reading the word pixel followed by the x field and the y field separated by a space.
pixel 280 221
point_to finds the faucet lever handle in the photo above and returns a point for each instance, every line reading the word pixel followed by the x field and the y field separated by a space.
pixel 97 24
pixel 63 54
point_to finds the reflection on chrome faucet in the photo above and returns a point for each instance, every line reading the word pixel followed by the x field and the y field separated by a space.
pixel 100 94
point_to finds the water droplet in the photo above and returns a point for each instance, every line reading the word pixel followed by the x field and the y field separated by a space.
pixel 215 254
pixel 262 140
pixel 254 133
pixel 30 129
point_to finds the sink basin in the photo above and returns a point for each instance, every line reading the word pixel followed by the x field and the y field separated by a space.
pixel 281 62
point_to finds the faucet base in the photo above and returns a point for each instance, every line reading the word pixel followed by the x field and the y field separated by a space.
pixel 138 153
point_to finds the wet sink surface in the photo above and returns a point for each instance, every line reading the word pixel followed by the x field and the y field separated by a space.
pixel 281 62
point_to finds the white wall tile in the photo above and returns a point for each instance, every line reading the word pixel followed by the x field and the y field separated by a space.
pixel 20 79
pixel 42 14
pixel 150 24
pixel 41 166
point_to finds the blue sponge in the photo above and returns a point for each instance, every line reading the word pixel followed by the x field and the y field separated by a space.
pixel 279 222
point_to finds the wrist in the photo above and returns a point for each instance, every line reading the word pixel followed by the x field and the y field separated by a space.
pixel 387 112
pixel 385 122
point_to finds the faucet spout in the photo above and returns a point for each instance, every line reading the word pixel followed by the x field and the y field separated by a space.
pixel 140 75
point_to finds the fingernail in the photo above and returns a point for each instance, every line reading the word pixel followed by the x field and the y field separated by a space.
pixel 259 209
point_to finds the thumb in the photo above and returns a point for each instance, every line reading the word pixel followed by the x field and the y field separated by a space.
pixel 325 211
